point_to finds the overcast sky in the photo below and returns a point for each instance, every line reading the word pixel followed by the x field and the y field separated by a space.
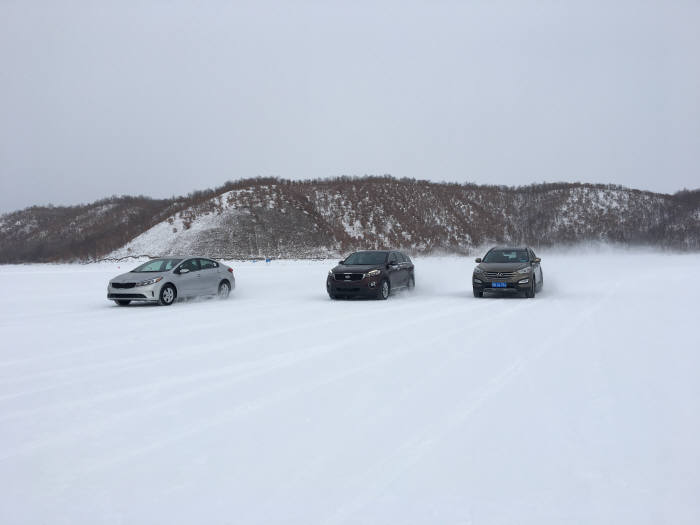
pixel 163 97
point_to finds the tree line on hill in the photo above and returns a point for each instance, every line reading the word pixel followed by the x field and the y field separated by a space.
pixel 313 217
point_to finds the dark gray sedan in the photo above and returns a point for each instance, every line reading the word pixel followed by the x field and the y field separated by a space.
pixel 164 280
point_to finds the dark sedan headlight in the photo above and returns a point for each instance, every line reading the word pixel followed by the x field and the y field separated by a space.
pixel 149 282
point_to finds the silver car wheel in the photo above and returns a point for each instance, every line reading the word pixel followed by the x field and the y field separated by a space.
pixel 224 290
pixel 168 295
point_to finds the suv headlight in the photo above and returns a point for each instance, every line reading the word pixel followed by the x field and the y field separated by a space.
pixel 478 270
pixel 149 281
pixel 372 273
pixel 527 269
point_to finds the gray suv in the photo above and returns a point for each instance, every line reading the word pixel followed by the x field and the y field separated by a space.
pixel 164 280
pixel 508 269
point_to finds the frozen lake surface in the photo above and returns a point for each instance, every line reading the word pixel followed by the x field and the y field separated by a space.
pixel 281 406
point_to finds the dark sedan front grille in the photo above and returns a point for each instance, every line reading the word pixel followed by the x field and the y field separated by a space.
pixel 348 276
pixel 123 285
pixel 500 275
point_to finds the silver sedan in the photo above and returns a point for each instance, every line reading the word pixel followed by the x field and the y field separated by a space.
pixel 164 280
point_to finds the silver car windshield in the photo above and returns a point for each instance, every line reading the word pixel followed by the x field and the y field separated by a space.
pixel 157 265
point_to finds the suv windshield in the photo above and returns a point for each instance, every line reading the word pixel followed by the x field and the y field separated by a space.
pixel 507 256
pixel 365 258
pixel 157 265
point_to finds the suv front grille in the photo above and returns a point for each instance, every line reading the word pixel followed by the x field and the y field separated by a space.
pixel 123 285
pixel 500 275
pixel 348 276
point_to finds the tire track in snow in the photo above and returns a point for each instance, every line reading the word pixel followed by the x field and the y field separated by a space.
pixel 141 361
pixel 284 394
pixel 284 361
pixel 376 480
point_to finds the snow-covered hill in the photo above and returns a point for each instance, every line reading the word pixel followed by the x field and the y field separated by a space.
pixel 279 218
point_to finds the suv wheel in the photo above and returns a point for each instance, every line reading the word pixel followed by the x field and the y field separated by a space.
pixel 384 290
pixel 411 283
pixel 167 295
pixel 531 292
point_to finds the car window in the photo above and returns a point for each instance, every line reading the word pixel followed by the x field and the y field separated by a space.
pixel 362 258
pixel 207 264
pixel 191 264
pixel 393 259
pixel 157 265
pixel 406 258
pixel 507 256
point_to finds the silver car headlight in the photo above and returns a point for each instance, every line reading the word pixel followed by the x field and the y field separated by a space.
pixel 527 269
pixel 372 273
pixel 149 282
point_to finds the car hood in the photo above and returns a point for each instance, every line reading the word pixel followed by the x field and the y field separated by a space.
pixel 502 267
pixel 131 277
pixel 356 268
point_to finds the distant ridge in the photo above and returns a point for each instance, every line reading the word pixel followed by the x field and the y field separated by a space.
pixel 321 218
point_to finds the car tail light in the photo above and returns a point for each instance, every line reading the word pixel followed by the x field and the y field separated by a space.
pixel 230 270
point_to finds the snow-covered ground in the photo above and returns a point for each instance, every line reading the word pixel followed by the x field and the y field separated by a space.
pixel 281 406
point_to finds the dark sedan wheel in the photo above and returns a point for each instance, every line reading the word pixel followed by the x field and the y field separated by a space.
pixel 167 295
pixel 123 302
pixel 384 290
pixel 224 289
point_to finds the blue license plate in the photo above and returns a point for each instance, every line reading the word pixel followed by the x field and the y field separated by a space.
pixel 499 285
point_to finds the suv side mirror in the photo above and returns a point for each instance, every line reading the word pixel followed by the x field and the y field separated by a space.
pixel 536 260
pixel 478 260
pixel 341 262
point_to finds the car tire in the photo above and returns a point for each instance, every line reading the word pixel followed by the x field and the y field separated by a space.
pixel 224 290
pixel 532 290
pixel 123 302
pixel 411 285
pixel 478 293
pixel 384 290
pixel 167 295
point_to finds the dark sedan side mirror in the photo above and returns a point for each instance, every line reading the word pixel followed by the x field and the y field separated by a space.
pixel 478 260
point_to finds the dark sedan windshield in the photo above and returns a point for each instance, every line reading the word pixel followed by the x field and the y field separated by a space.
pixel 157 265
pixel 366 258
pixel 507 256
